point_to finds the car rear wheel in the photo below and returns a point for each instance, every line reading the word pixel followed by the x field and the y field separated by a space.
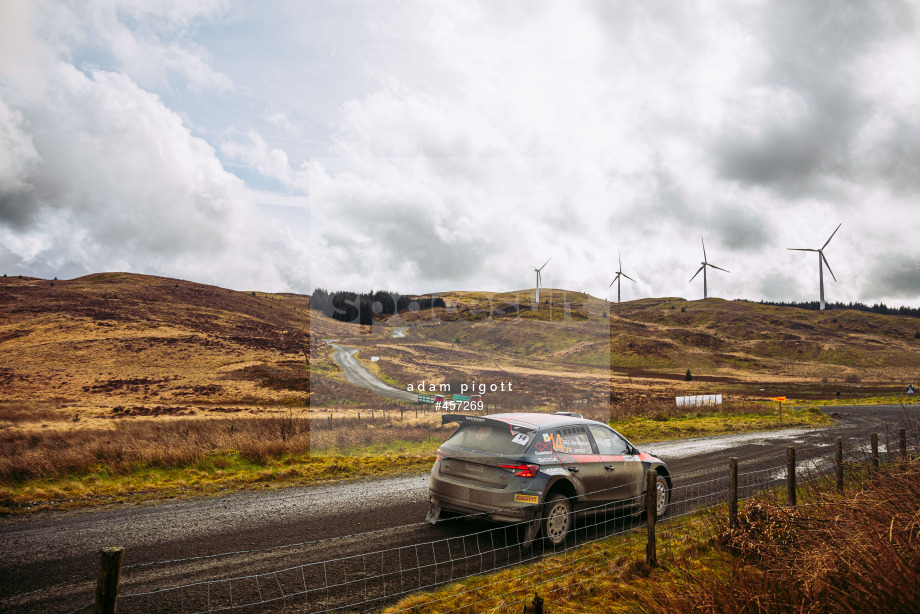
pixel 557 518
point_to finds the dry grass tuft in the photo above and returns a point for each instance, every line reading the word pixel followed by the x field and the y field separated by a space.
pixel 852 553
pixel 135 444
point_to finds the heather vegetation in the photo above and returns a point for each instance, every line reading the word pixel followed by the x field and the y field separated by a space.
pixel 135 444
pixel 74 464
pixel 855 552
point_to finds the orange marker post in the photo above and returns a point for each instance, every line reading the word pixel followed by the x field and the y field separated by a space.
pixel 780 400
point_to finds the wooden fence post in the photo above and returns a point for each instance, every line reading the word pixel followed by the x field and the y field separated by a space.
pixel 902 441
pixel 790 475
pixel 107 582
pixel 732 492
pixel 536 606
pixel 839 464
pixel 874 451
pixel 651 508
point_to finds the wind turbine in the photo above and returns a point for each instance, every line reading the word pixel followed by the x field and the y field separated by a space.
pixel 620 273
pixel 821 261
pixel 705 263
pixel 537 298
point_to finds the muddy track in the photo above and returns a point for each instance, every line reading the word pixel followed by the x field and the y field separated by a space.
pixel 55 553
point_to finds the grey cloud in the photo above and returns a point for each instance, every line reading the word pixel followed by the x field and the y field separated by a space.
pixel 669 201
pixel 896 161
pixel 404 234
pixel 812 45
pixel 893 275
pixel 733 225
pixel 17 209
pixel 785 158
pixel 740 229
pixel 781 287
pixel 19 162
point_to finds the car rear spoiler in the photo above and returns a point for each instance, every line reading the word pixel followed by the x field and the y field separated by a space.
pixel 462 419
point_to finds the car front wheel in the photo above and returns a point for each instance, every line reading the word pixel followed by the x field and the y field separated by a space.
pixel 557 518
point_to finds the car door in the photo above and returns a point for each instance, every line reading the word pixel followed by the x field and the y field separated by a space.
pixel 623 474
pixel 574 449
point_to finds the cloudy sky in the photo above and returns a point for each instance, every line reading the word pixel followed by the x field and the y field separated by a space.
pixel 426 146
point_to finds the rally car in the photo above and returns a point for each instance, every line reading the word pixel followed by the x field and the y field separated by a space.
pixel 541 469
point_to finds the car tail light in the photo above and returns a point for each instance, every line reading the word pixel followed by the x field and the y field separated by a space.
pixel 524 471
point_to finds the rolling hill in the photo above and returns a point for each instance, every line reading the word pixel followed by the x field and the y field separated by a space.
pixel 113 345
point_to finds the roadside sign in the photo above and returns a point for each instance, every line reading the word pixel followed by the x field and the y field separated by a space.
pixel 426 398
pixel 461 397
pixel 781 400
pixel 375 358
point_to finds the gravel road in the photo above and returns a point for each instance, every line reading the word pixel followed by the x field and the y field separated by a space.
pixel 55 553
pixel 356 373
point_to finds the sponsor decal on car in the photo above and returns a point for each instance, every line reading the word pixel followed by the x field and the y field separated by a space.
pixel 556 471
pixel 533 499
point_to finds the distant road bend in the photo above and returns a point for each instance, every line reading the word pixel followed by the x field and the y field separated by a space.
pixel 356 373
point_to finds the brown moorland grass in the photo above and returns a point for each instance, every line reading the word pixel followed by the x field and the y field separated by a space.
pixel 856 552
pixel 143 459
pixel 136 444
pixel 84 463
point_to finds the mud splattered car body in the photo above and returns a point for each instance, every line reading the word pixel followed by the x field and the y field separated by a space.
pixel 519 467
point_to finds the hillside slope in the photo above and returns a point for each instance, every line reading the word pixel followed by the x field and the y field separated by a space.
pixel 118 344
pixel 123 344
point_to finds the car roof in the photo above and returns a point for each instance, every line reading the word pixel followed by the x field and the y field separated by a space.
pixel 540 421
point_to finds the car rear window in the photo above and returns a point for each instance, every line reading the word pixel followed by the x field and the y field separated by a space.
pixel 492 438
